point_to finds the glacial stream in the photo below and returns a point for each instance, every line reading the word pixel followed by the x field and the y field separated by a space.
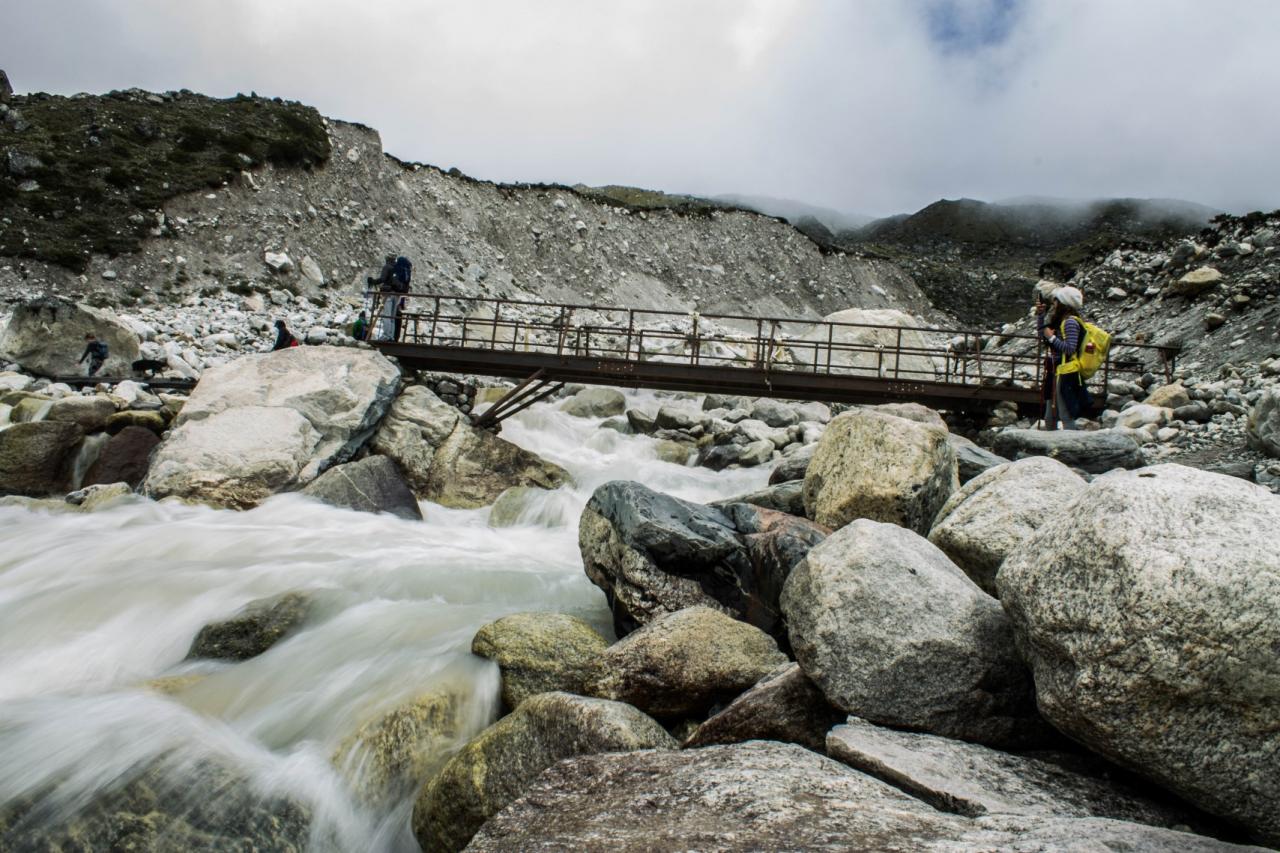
pixel 93 606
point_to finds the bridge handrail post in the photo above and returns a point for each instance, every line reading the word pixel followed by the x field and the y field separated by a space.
pixel 497 309
pixel 631 325
pixel 831 330
pixel 897 354
pixel 435 318
pixel 697 344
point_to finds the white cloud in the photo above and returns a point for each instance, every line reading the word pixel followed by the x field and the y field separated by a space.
pixel 848 105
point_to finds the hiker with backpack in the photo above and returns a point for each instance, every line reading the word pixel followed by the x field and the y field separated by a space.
pixel 1077 349
pixel 392 281
pixel 94 350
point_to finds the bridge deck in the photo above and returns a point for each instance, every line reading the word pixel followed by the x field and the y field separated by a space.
pixel 734 354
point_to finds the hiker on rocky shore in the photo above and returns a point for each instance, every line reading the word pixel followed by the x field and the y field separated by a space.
pixel 1063 331
pixel 284 338
pixel 94 350
pixel 361 326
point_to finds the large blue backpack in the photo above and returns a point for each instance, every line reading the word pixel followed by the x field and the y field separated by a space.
pixel 403 273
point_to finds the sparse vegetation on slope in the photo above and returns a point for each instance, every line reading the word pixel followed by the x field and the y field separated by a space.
pixel 88 174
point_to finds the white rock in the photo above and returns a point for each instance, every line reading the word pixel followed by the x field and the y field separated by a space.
pixel 279 262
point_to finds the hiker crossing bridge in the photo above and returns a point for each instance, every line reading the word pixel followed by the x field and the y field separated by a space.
pixel 548 345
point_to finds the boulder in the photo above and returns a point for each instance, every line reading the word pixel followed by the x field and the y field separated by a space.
pixel 783 706
pixel 124 458
pixel 473 467
pixel 640 422
pixel 972 460
pixel 373 484
pixel 1147 610
pixel 1095 452
pixel 912 412
pixel 1196 282
pixel 270 422
pixel 1141 415
pixel 393 753
pixel 514 506
pixel 90 413
pixel 785 497
pixel 496 766
pixel 974 780
pixel 892 631
pixel 98 496
pixel 868 346
pixel 154 421
pixel 653 554
pixel 254 628
pixel 1263 424
pixel 725 401
pixel 676 418
pixel 36 459
pixel 881 467
pixel 196 805
pixel 28 407
pixel 772 796
pixel 813 412
pixel 1169 396
pixel 540 653
pixel 774 413
pixel 993 514
pixel 675 452
pixel 417 423
pixel 46 336
pixel 595 402
pixel 682 663
pixel 793 465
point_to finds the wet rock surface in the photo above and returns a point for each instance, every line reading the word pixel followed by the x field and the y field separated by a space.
pixel 254 629
pixel 124 458
pixel 652 554
pixel 1095 452
pixel 540 653
pixel 36 458
pixel 783 706
pixel 373 484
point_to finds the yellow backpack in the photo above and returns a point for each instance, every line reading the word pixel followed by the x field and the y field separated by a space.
pixel 1092 353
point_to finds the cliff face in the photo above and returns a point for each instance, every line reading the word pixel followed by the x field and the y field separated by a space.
pixel 336 220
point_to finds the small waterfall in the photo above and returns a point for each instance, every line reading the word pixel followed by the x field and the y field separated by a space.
pixel 88 454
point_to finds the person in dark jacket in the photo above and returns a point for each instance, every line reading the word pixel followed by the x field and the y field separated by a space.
pixel 385 281
pixel 284 338
pixel 94 350
pixel 1064 334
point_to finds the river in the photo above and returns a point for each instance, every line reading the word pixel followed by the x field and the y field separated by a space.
pixel 93 606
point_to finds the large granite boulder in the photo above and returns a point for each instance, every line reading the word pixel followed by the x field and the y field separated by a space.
pixel 793 466
pixel 496 766
pixel 270 422
pixel 867 342
pixel 254 628
pixel 992 514
pixel 892 631
pixel 540 653
pixel 36 458
pixel 124 458
pixel 652 554
pixel 595 402
pixel 90 413
pixel 783 706
pixel 974 780
pixel 682 663
pixel 1096 452
pixel 881 467
pixel 187 806
pixel 1263 424
pixel 417 423
pixel 46 336
pixel 1147 609
pixel 773 796
pixel 786 497
pixel 473 467
pixel 373 484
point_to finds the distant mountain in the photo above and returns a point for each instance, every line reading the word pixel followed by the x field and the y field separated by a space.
pixel 797 212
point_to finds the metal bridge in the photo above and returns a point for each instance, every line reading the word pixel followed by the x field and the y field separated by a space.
pixel 549 345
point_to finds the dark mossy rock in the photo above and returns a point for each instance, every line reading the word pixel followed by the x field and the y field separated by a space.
pixel 373 484
pixel 258 626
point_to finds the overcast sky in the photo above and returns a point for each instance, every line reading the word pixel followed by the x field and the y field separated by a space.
pixel 870 106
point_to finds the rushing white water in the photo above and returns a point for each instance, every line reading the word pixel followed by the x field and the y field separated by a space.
pixel 92 606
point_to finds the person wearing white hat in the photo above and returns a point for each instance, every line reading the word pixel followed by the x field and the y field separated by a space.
pixel 1063 332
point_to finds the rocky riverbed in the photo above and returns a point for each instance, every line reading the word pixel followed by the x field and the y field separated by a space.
pixel 335 615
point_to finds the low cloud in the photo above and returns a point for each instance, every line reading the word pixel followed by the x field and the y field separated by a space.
pixel 869 107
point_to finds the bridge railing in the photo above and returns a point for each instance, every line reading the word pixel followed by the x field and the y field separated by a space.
pixel 906 353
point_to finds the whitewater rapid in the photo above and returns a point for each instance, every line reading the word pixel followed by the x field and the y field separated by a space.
pixel 93 606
